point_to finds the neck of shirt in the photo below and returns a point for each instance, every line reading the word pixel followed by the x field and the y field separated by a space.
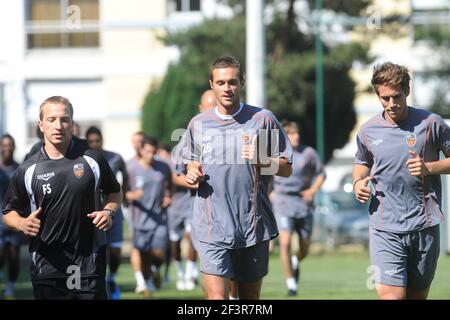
pixel 57 152
pixel 228 116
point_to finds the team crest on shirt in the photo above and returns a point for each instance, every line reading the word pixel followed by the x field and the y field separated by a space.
pixel 78 170
pixel 411 139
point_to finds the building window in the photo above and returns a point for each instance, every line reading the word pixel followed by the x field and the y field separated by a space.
pixel 62 24
pixel 187 5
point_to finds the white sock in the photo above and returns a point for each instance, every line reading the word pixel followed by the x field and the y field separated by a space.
pixel 179 267
pixel 291 284
pixel 140 281
pixel 294 262
pixel 194 270
pixel 190 265
pixel 112 277
pixel 233 298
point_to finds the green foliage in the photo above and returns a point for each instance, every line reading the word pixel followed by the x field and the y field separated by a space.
pixel 290 78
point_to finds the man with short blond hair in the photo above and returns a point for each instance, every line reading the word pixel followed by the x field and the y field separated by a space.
pixel 62 185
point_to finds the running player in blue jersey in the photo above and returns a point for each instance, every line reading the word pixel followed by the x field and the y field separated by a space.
pixel 397 167
pixel 10 240
pixel 114 235
pixel 293 204
pixel 232 151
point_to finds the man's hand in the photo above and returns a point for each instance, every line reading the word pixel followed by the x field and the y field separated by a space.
pixel 167 200
pixel 249 151
pixel 30 225
pixel 362 189
pixel 194 173
pixel 102 220
pixel 308 195
pixel 416 165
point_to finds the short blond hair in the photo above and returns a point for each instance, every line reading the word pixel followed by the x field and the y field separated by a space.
pixel 56 99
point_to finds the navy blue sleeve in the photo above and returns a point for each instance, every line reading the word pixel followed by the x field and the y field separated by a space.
pixel 16 197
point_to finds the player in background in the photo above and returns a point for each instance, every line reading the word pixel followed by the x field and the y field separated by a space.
pixel 149 196
pixel 114 235
pixel 10 240
pixel 293 204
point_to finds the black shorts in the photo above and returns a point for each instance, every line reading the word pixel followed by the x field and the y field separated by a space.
pixel 92 288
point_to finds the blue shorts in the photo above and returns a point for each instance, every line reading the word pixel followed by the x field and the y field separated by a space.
pixel 114 236
pixel 9 236
pixel 244 265
pixel 145 240
pixel 405 260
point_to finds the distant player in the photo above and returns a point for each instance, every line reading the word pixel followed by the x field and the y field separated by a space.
pixel 114 235
pixel 293 204
pixel 10 240
pixel 398 153
pixel 149 196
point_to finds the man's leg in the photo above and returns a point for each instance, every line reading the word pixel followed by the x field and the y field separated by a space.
pixel 234 293
pixel 13 269
pixel 412 294
pixel 250 265
pixel 191 275
pixel 140 244
pixel 285 255
pixel 389 258
pixel 216 287
pixel 386 292
pixel 425 247
pixel 303 227
pixel 157 258
pixel 114 259
pixel 250 290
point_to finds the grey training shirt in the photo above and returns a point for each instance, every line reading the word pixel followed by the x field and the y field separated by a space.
pixel 231 207
pixel 400 202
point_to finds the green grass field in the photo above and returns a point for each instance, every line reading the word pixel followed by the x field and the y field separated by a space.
pixel 340 275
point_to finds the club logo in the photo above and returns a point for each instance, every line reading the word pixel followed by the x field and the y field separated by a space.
pixel 78 170
pixel 246 138
pixel 411 139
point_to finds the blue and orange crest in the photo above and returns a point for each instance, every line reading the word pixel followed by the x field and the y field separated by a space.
pixel 411 139
pixel 78 170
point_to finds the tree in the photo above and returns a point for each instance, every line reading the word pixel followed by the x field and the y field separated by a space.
pixel 437 36
pixel 290 76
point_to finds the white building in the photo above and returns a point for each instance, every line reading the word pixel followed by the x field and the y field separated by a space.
pixel 101 54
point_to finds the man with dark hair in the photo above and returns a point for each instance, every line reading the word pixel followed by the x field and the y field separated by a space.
pixel 10 240
pixel 398 152
pixel 231 152
pixel 293 204
pixel 62 184
pixel 114 235
pixel 149 196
